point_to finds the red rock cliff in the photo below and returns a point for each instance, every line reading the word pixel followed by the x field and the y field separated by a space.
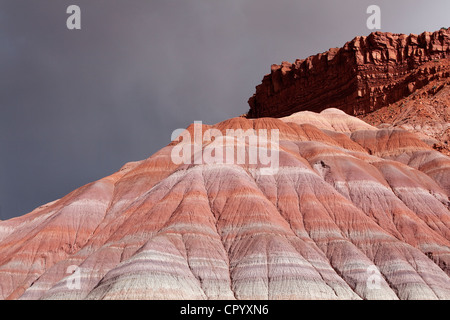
pixel 366 74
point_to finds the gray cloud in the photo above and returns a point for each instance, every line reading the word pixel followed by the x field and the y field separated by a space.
pixel 76 105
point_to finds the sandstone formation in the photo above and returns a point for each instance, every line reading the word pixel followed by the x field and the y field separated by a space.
pixel 425 112
pixel 366 74
pixel 353 212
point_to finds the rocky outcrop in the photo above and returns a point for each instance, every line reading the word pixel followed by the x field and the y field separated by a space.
pixel 426 112
pixel 353 212
pixel 364 75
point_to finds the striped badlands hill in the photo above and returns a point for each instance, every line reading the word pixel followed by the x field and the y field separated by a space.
pixel 352 212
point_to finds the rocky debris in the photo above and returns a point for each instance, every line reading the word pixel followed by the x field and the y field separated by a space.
pixel 366 74
pixel 354 212
pixel 425 112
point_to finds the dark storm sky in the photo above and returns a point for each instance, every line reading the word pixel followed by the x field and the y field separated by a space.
pixel 76 105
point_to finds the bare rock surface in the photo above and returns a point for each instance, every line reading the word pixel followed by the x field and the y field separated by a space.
pixel 366 74
pixel 385 79
pixel 353 212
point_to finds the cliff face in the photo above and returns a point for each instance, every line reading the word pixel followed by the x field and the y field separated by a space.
pixel 364 75
pixel 426 113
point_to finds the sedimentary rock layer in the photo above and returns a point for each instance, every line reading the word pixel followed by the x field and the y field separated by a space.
pixel 352 212
pixel 364 75
pixel 426 112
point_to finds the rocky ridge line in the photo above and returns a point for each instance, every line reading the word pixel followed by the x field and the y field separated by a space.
pixel 366 74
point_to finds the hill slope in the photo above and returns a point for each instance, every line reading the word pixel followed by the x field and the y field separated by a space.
pixel 353 212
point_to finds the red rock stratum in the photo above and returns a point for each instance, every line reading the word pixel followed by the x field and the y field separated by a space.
pixel 388 80
pixel 353 212
pixel 366 74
